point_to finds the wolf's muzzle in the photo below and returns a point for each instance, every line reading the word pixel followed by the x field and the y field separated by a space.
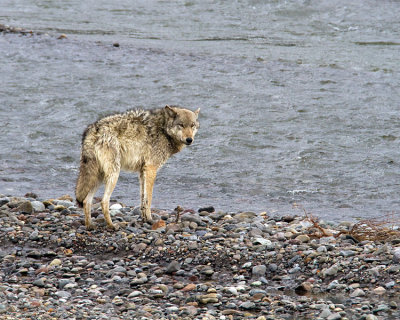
pixel 189 141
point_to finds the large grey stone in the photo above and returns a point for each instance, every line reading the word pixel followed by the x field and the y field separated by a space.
pixel 38 206
pixel 174 266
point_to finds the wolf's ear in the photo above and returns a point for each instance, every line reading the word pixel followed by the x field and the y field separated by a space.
pixel 197 112
pixel 170 111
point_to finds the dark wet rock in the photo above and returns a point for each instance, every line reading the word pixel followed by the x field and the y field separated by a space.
pixel 4 200
pixel 209 209
pixel 288 218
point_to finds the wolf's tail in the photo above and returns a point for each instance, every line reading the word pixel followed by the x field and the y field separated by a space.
pixel 88 179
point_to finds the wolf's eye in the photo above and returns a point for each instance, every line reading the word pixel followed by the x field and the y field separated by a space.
pixel 193 125
pixel 180 125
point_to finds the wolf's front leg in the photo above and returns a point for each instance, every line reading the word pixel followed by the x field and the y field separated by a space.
pixel 147 178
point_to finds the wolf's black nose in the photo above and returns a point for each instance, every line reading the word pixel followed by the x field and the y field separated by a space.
pixel 189 140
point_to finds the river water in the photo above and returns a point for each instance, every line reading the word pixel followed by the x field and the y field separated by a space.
pixel 299 99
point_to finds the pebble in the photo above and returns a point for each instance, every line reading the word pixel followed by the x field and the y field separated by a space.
pixel 247 305
pixel 39 282
pixel 379 290
pixel 347 253
pixel 303 238
pixel 192 217
pixel 134 294
pixel 209 265
pixel 208 298
pixel 259 271
pixel 332 271
pixel 63 294
pixel 174 266
pixel 34 236
pixel 262 241
pixel 357 293
pixel 116 206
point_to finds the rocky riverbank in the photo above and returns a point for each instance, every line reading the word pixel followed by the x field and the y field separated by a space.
pixel 199 265
pixel 24 32
pixel 9 29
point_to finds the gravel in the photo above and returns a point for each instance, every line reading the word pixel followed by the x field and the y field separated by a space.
pixel 208 265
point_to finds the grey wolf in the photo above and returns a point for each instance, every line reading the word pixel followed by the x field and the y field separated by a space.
pixel 137 141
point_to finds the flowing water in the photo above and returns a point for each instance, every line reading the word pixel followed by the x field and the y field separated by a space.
pixel 299 99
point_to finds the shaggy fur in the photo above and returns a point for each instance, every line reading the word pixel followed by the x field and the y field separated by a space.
pixel 137 140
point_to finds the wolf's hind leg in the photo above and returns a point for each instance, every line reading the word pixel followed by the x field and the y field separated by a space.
pixel 87 206
pixel 110 183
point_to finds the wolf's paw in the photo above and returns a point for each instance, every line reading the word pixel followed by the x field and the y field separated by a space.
pixel 149 221
pixel 147 218
pixel 91 226
pixel 113 227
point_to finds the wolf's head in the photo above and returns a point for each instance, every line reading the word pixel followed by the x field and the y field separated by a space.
pixel 182 124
